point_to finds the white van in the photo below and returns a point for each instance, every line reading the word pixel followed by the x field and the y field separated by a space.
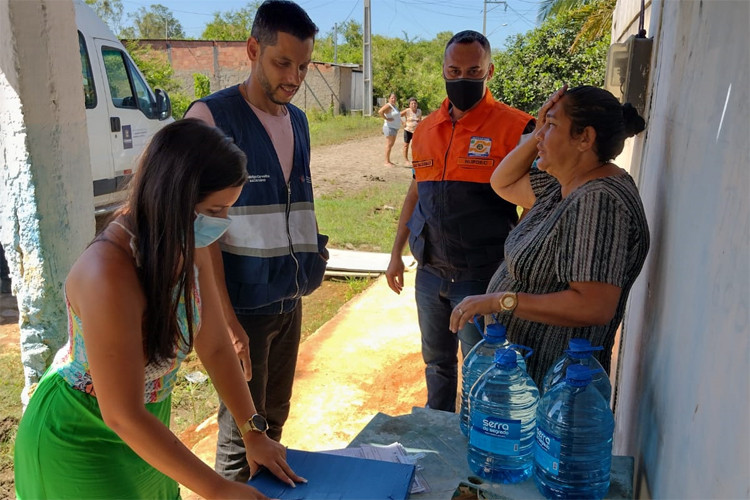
pixel 122 112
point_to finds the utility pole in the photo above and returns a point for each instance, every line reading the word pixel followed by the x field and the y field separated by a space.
pixel 484 20
pixel 367 61
pixel 335 43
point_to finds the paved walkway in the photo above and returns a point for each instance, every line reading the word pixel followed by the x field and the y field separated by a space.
pixel 364 360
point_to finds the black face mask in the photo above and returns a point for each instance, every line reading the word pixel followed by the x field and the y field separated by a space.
pixel 464 93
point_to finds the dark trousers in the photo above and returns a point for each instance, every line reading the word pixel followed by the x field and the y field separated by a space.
pixel 274 343
pixel 436 297
pixel 4 273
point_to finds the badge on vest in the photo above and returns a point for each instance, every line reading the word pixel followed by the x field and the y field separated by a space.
pixel 480 147
pixel 421 163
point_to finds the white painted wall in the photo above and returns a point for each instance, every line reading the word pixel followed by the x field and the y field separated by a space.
pixel 683 409
pixel 46 205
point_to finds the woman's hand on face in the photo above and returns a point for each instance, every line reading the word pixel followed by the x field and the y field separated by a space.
pixel 264 451
pixel 541 117
pixel 470 307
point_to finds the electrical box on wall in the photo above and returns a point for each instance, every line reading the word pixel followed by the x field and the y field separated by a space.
pixel 628 67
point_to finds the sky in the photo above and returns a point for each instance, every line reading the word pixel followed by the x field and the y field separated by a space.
pixel 417 18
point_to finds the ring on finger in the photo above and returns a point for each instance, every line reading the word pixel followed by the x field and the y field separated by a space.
pixel 460 311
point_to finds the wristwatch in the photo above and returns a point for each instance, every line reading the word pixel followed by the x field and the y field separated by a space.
pixel 256 423
pixel 508 302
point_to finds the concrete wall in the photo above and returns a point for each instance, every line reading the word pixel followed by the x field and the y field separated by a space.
pixel 46 206
pixel 327 86
pixel 682 407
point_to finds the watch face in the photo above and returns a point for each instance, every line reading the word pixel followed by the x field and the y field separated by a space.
pixel 509 301
pixel 259 423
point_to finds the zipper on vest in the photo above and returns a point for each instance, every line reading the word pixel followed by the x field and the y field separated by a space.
pixel 442 197
pixel 289 236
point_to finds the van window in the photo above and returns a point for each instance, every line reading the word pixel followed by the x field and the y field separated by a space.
pixel 89 91
pixel 126 86
pixel 146 100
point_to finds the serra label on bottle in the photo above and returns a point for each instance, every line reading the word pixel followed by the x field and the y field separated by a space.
pixel 547 452
pixel 495 435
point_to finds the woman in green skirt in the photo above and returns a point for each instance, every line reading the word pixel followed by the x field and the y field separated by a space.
pixel 139 298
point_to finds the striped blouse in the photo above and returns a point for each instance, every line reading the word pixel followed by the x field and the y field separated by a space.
pixel 597 233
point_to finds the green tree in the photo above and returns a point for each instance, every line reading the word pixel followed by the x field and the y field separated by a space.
pixel 110 11
pixel 232 24
pixel 410 68
pixel 202 85
pixel 156 22
pixel 348 52
pixel 540 61
pixel 596 16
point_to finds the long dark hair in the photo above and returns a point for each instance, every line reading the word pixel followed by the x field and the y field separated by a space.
pixel 588 106
pixel 185 161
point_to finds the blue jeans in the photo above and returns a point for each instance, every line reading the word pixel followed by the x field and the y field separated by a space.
pixel 436 298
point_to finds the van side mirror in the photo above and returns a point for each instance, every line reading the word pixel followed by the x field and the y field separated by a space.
pixel 163 104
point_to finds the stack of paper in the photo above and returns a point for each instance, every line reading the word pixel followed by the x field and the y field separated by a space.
pixel 394 452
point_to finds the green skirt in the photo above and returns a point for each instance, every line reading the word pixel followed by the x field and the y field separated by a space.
pixel 65 450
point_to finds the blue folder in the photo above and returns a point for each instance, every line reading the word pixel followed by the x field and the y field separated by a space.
pixel 334 476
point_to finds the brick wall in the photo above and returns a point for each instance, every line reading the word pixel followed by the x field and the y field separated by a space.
pixel 327 86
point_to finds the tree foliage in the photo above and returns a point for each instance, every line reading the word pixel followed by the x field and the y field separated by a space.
pixel 156 22
pixel 202 85
pixel 110 11
pixel 232 24
pixel 595 14
pixel 348 48
pixel 410 68
pixel 537 63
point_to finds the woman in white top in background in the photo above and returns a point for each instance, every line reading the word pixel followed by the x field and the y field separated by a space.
pixel 411 117
pixel 392 123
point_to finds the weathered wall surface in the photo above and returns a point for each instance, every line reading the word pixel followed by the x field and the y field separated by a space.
pixel 46 207
pixel 683 407
pixel 326 87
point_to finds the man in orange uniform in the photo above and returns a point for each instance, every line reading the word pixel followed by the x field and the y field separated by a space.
pixel 456 225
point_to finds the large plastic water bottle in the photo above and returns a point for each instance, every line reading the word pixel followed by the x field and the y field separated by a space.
pixel 502 408
pixel 579 352
pixel 574 430
pixel 477 361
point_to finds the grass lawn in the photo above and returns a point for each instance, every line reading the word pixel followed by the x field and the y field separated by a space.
pixel 327 129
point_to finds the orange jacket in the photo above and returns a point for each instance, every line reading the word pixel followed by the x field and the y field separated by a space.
pixel 459 225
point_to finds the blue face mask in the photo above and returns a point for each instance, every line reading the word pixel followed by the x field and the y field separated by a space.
pixel 208 229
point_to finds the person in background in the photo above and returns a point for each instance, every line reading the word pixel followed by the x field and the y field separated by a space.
pixel 570 263
pixel 139 299
pixel 5 282
pixel 411 117
pixel 456 225
pixel 391 123
pixel 272 255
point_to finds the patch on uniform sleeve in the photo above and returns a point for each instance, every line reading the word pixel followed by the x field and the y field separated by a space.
pixel 480 146
pixel 421 163
pixel 475 162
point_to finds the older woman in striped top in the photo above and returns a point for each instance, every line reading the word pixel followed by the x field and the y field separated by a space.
pixel 571 261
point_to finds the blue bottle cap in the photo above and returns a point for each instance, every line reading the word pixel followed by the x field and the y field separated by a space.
pixel 581 348
pixel 580 375
pixel 495 333
pixel 506 358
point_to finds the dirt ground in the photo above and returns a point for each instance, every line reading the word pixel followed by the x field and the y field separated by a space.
pixel 356 165
pixel 394 382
